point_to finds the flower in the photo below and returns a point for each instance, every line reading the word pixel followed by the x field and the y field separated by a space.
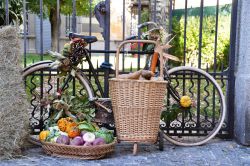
pixel 185 101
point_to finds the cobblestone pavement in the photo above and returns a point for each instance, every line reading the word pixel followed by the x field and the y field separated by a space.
pixel 217 152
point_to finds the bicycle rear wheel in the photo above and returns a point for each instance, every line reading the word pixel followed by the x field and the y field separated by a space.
pixel 205 118
pixel 42 83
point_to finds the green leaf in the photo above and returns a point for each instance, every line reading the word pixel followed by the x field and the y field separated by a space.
pixel 77 105
pixel 171 112
pixel 86 127
pixel 57 115
pixel 107 135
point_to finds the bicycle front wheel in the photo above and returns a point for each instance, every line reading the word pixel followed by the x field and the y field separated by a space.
pixel 200 123
pixel 42 83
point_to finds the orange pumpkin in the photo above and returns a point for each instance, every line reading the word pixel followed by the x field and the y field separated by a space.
pixel 62 124
pixel 70 125
pixel 73 132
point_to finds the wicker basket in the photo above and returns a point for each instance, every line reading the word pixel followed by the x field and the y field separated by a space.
pixel 137 105
pixel 78 152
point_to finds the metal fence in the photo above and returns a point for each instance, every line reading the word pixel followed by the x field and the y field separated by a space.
pixel 225 76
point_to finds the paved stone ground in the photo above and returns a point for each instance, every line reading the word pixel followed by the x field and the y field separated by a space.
pixel 217 152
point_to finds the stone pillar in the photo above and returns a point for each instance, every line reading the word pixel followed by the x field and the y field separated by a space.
pixel 242 74
pixel 162 14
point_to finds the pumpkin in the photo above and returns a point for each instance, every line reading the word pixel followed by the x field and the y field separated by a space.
pixel 73 132
pixel 43 135
pixel 70 125
pixel 62 124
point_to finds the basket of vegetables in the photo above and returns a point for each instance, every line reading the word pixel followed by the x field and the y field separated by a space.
pixel 72 133
pixel 82 140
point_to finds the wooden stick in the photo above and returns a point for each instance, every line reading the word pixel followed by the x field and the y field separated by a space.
pixel 105 108
pixel 172 57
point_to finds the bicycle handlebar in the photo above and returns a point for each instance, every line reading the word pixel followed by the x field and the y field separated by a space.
pixel 146 24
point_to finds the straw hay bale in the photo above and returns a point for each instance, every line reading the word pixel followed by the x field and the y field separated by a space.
pixel 14 118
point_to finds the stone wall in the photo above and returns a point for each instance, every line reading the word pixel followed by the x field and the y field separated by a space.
pixel 242 74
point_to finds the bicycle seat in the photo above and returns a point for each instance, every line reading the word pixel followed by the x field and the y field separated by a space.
pixel 87 39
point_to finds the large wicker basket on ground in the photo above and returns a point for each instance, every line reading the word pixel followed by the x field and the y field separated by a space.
pixel 137 105
pixel 78 152
pixel 137 108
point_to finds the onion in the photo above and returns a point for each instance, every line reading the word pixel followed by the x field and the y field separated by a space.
pixel 99 141
pixel 77 141
pixel 89 137
pixel 63 139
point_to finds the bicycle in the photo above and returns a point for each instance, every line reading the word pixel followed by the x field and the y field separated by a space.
pixel 203 123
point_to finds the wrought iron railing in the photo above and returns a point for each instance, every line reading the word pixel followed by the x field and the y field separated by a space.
pixel 224 77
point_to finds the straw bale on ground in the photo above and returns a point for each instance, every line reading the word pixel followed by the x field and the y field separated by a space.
pixel 14 118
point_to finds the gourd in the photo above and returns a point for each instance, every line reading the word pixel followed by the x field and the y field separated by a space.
pixel 43 135
pixel 134 75
pixel 73 132
pixel 185 101
pixel 70 125
pixel 146 75
pixel 65 124
pixel 141 74
pixel 62 124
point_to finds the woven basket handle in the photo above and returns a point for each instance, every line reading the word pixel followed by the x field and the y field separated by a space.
pixel 157 46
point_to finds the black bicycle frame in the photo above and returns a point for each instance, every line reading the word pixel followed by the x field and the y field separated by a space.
pixel 91 70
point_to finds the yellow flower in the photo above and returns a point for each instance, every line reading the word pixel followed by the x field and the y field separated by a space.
pixel 185 101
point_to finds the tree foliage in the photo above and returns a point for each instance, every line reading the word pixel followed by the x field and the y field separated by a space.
pixel 208 40
pixel 66 6
pixel 15 12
